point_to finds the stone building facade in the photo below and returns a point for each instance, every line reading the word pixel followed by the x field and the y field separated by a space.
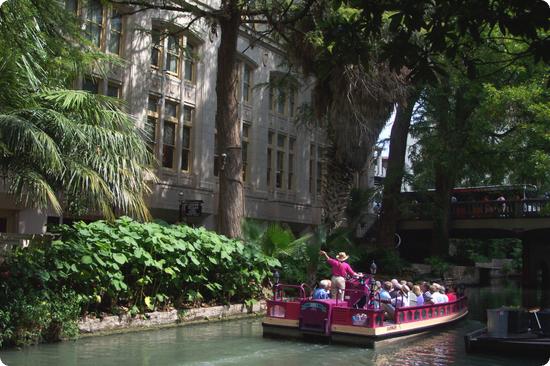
pixel 168 83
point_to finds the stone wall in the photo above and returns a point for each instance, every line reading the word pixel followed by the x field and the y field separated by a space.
pixel 157 319
pixel 457 274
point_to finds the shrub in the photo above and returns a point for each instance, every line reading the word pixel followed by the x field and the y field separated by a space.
pixel 439 266
pixel 30 317
pixel 143 266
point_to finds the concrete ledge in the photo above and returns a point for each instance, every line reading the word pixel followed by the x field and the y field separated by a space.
pixel 163 319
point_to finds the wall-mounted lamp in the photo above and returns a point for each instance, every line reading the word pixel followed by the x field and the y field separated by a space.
pixel 224 160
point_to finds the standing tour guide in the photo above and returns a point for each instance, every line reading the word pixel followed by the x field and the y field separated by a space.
pixel 339 271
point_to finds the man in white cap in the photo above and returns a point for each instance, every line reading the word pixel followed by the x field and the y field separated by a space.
pixel 339 271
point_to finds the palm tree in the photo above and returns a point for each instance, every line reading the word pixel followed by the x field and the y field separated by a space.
pixel 354 95
pixel 63 148
pixel 360 99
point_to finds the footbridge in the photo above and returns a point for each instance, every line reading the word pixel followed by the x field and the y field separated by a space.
pixel 527 220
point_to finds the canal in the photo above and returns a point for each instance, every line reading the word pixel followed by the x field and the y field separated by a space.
pixel 241 343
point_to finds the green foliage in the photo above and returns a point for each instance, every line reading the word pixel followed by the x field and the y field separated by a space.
pixel 272 239
pixel 29 316
pixel 128 265
pixel 439 266
pixel 470 251
pixel 387 260
pixel 359 200
pixel 56 142
pixel 297 257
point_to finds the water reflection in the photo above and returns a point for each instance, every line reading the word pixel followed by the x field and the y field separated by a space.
pixel 241 343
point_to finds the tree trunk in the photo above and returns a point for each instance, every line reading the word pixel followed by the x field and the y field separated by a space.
pixel 336 191
pixel 394 173
pixel 231 191
pixel 441 211
pixel 453 132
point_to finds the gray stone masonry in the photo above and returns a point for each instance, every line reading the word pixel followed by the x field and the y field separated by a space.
pixel 158 319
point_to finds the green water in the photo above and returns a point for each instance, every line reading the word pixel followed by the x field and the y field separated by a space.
pixel 241 343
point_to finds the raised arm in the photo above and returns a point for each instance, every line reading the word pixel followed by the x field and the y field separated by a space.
pixel 322 252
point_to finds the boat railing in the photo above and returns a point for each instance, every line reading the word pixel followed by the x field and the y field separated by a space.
pixel 373 318
pixel 349 294
pixel 285 307
pixel 408 314
pixel 370 318
pixel 279 291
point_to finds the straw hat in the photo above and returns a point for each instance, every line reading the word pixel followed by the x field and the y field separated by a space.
pixel 342 256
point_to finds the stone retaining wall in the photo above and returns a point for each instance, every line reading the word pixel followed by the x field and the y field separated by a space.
pixel 158 319
pixel 459 274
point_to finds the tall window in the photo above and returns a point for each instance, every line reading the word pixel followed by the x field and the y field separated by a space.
pixel 189 68
pixel 71 6
pixel 152 122
pixel 188 117
pixel 311 166
pixel 156 48
pixel 281 101
pixel 244 149
pixel 90 85
pixel 270 136
pixel 319 169
pixel 113 90
pixel 291 143
pixel 280 172
pixel 102 24
pixel 291 103
pixel 247 80
pixel 96 86
pixel 282 98
pixel 167 46
pixel 115 33
pixel 271 98
pixel 169 134
pixel 94 21
pixel 173 52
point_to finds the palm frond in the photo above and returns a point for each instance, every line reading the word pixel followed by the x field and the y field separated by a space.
pixel 25 140
pixel 33 190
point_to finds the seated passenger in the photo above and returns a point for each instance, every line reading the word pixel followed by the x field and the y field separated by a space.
pixel 375 295
pixel 396 287
pixel 437 297
pixel 385 299
pixel 323 291
pixel 402 296
pixel 451 294
pixel 419 298
pixel 443 293
pixel 406 295
pixel 426 292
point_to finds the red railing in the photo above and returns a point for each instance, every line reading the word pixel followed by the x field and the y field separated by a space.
pixel 279 290
pixel 285 307
pixel 500 209
pixel 415 313
pixel 370 318
pixel 373 318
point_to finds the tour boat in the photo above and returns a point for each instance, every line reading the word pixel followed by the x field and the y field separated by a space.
pixel 337 321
